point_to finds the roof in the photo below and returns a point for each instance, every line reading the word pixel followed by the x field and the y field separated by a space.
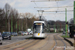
pixel 39 22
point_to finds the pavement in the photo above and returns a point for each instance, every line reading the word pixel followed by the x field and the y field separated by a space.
pixel 70 39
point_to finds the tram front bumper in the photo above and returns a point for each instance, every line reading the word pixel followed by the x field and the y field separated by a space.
pixel 38 35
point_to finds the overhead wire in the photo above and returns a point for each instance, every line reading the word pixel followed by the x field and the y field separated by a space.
pixel 39 11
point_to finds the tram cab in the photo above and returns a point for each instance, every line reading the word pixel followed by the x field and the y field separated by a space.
pixel 39 29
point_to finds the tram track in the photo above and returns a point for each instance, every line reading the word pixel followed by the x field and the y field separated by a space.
pixel 27 45
pixel 36 43
pixel 49 44
pixel 48 38
pixel 22 45
pixel 59 43
pixel 5 47
pixel 45 44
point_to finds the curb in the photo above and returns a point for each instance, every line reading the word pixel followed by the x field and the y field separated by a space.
pixel 69 41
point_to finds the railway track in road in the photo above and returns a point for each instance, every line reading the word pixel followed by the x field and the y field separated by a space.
pixel 60 44
pixel 28 45
pixel 7 47
pixel 22 45
pixel 48 38
pixel 45 44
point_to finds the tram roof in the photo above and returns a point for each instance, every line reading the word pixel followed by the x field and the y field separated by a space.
pixel 39 22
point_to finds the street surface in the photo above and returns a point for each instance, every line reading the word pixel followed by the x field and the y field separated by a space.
pixel 53 41
pixel 14 39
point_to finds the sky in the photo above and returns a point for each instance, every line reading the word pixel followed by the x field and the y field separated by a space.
pixel 24 6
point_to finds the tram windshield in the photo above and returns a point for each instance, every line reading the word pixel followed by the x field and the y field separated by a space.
pixel 38 28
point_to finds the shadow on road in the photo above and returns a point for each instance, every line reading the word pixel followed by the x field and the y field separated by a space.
pixel 34 38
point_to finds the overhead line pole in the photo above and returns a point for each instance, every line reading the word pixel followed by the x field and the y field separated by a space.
pixel 74 12
pixel 74 24
pixel 66 20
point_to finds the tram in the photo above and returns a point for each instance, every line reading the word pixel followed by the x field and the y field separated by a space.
pixel 39 29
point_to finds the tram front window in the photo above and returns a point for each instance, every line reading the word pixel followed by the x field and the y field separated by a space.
pixel 38 29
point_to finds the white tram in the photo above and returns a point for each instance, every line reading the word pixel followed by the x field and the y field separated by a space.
pixel 39 29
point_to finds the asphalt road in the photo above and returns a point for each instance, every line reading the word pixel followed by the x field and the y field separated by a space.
pixel 14 39
pixel 30 44
pixel 52 41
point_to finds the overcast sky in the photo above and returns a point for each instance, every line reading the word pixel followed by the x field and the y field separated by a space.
pixel 24 6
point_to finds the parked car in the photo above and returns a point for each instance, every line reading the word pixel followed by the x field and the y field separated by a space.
pixel 0 38
pixel 14 33
pixel 6 35
pixel 31 32
pixel 24 33
pixel 20 32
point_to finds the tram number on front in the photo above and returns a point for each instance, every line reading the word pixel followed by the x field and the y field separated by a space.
pixel 38 34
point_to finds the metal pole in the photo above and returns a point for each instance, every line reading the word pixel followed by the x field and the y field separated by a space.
pixel 16 24
pixel 54 27
pixel 74 24
pixel 22 24
pixel 19 24
pixel 26 23
pixel 8 22
pixel 11 24
pixel 74 12
pixel 66 20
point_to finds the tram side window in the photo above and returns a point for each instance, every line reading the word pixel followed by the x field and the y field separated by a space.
pixel 43 28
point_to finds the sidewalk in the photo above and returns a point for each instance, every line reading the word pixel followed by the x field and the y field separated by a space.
pixel 71 39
